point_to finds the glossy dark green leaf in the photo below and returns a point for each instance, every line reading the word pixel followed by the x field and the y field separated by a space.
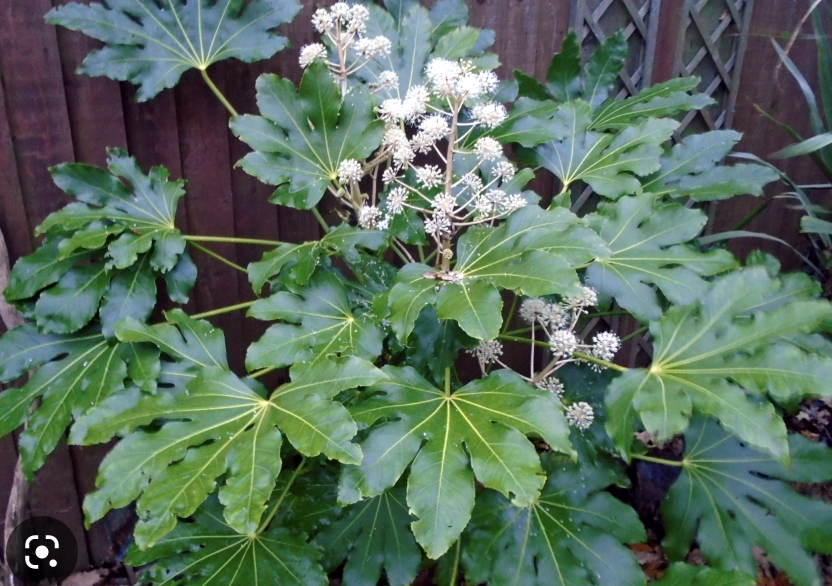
pixel 40 269
pixel 181 279
pixel 572 534
pixel 122 199
pixel 209 551
pixel 302 136
pixel 217 425
pixel 610 163
pixel 691 169
pixel 658 101
pixel 602 69
pixel 681 574
pixel 718 357
pixel 152 44
pixel 296 262
pixel 132 293
pixel 70 304
pixel 373 536
pixel 562 77
pixel 730 498
pixel 649 239
pixel 426 430
pixel 74 373
pixel 317 322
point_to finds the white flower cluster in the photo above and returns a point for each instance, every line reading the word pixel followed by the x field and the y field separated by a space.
pixel 558 322
pixel 486 352
pixel 345 25
pixel 464 200
pixel 580 415
pixel 552 385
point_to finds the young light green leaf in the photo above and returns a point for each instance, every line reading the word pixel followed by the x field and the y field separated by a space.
pixel 731 498
pixel 648 239
pixel 426 429
pixel 217 425
pixel 571 534
pixel 152 44
pixel 209 551
pixel 717 356
pixel 302 136
pixel 690 169
pixel 372 536
pixel 326 324
pixel 609 163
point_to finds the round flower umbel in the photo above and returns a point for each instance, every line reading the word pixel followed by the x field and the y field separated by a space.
pixel 442 115
pixel 556 323
pixel 344 26
pixel 580 415
pixel 487 352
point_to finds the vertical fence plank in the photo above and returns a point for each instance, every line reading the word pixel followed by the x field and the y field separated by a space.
pixel 206 162
pixel 35 103
pixel 13 222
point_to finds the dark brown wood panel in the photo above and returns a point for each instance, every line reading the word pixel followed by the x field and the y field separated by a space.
pixel 782 99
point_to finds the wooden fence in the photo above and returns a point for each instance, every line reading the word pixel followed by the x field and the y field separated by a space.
pixel 49 115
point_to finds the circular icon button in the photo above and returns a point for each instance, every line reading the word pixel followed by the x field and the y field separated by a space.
pixel 41 550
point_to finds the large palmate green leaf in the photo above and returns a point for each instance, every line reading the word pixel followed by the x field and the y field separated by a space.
pixel 123 201
pixel 372 536
pixel 427 429
pixel 189 345
pixel 302 137
pixel 532 253
pixel 74 372
pixel 572 534
pixel 123 220
pixel 295 263
pixel 681 574
pixel 730 498
pixel 648 239
pixel 691 169
pixel 719 356
pixel 209 551
pixel 217 425
pixel 609 162
pixel 418 35
pixel 326 324
pixel 152 43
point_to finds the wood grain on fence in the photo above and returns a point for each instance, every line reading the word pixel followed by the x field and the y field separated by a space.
pixel 49 115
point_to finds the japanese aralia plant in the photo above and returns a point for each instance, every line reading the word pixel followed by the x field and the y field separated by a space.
pixel 383 454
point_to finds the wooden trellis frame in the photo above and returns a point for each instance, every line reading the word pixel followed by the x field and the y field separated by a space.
pixel 711 44
pixel 715 35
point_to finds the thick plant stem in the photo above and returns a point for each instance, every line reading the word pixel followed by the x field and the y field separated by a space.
pixel 233 240
pixel 448 381
pixel 219 257
pixel 634 334
pixel 320 219
pixel 222 310
pixel 218 93
pixel 265 524
pixel 677 463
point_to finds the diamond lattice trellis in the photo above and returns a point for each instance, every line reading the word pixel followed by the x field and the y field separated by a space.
pixel 595 20
pixel 712 48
